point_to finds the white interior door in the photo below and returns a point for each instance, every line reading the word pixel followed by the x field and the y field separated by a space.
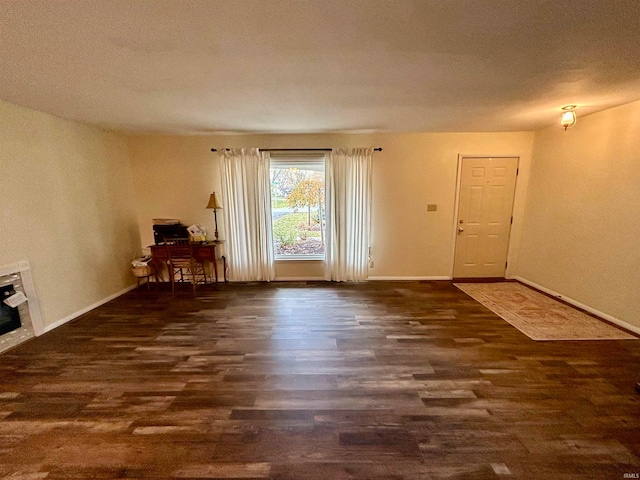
pixel 485 206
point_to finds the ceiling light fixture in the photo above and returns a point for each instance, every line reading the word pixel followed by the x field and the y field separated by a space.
pixel 568 118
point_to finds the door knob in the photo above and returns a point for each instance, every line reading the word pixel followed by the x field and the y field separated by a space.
pixel 460 229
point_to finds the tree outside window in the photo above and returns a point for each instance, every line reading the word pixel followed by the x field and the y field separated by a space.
pixel 297 195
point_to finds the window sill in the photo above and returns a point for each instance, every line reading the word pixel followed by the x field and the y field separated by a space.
pixel 300 258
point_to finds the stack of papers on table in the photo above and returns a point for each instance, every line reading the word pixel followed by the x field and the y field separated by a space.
pixel 166 221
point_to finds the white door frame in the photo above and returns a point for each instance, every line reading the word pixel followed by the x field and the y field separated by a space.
pixel 454 228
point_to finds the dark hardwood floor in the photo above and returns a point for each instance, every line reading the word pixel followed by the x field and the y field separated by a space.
pixel 383 380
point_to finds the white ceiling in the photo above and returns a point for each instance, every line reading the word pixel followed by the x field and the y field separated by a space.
pixel 198 67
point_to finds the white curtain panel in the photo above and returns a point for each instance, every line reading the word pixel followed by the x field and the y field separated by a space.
pixel 348 214
pixel 246 197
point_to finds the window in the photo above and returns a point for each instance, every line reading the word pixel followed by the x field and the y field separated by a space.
pixel 297 206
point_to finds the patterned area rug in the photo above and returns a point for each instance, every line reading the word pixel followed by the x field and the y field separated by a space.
pixel 538 316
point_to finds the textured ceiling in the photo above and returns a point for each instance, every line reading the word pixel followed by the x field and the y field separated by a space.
pixel 267 66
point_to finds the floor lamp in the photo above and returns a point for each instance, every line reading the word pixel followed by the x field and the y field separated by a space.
pixel 214 204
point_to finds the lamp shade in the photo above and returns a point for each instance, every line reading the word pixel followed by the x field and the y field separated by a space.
pixel 213 202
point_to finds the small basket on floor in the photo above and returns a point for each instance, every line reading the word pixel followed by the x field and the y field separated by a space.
pixel 143 271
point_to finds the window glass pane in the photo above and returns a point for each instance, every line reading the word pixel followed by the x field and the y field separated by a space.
pixel 297 206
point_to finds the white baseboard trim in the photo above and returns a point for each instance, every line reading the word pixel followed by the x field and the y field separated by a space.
pixel 409 278
pixel 575 303
pixel 68 318
pixel 374 278
pixel 299 279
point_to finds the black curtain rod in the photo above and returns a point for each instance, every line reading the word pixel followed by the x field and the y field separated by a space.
pixel 379 149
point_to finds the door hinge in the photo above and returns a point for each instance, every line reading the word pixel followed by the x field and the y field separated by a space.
pixel 517 171
pixel 505 265
pixel 511 220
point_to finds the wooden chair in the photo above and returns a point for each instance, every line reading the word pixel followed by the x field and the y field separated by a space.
pixel 182 265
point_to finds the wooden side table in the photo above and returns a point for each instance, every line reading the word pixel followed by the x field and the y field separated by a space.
pixel 202 252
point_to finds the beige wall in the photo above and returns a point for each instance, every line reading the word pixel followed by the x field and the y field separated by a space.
pixel 175 175
pixel 67 207
pixel 581 231
pixel 76 209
